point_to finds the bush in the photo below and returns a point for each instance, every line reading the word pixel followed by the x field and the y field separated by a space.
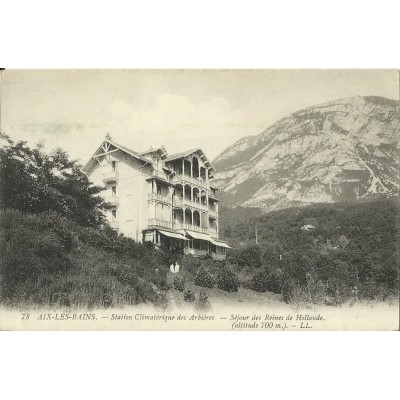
pixel 266 280
pixel 157 276
pixel 191 265
pixel 189 296
pixel 203 278
pixel 259 281
pixel 247 256
pixel 179 283
pixel 203 303
pixel 228 280
pixel 44 262
pixel 314 292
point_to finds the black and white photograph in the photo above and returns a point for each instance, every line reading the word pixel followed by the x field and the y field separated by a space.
pixel 199 199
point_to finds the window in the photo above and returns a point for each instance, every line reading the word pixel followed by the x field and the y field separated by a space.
pixel 114 214
pixel 113 190
pixel 113 165
pixel 159 191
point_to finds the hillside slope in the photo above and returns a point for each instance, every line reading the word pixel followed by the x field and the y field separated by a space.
pixel 336 151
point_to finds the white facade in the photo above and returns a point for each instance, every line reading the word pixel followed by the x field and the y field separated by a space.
pixel 164 199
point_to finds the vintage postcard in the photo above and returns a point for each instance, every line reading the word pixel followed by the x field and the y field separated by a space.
pixel 259 200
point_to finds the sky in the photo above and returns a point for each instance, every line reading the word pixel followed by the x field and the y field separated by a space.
pixel 180 109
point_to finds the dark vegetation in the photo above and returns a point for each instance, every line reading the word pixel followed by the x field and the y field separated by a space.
pixel 48 260
pixel 351 252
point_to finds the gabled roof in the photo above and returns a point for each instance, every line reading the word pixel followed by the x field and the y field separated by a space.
pixel 188 153
pixel 182 154
pixel 161 150
pixel 140 156
pixel 100 150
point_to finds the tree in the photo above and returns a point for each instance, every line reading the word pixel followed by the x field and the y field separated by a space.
pixel 35 182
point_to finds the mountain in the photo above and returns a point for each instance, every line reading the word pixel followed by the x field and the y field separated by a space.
pixel 336 151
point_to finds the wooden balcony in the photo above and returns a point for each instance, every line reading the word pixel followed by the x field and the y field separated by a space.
pixel 195 181
pixel 178 225
pixel 160 223
pixel 159 197
pixel 181 201
pixel 195 228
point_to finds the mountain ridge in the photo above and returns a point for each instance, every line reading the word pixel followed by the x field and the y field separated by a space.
pixel 338 150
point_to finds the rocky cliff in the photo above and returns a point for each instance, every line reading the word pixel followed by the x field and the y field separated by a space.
pixel 341 150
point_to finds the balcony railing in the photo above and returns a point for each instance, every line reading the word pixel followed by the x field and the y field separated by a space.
pixel 190 227
pixel 195 181
pixel 111 176
pixel 218 257
pixel 159 222
pixel 181 201
pixel 178 225
pixel 159 197
pixel 195 228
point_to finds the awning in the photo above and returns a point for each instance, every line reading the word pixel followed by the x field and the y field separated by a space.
pixel 200 236
pixel 220 244
pixel 208 238
pixel 173 235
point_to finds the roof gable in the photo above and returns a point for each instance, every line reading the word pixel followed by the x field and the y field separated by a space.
pixel 107 147
pixel 188 153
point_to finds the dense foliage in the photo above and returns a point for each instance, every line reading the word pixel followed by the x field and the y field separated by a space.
pixel 227 279
pixel 34 181
pixel 204 278
pixel 345 250
pixel 49 260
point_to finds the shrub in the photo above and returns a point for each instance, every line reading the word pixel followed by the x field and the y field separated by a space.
pixel 265 280
pixel 259 281
pixel 250 256
pixel 160 300
pixel 157 276
pixel 44 262
pixel 228 280
pixel 203 303
pixel 179 283
pixel 203 278
pixel 314 292
pixel 275 281
pixel 189 296
pixel 191 265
